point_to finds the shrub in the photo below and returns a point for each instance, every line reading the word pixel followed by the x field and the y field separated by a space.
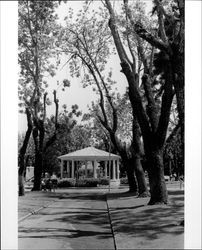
pixel 104 181
pixel 124 180
pixel 66 182
pixel 90 182
pixel 87 182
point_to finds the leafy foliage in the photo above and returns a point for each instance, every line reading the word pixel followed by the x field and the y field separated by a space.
pixel 124 112
pixel 37 53
pixel 87 42
pixel 173 153
pixel 71 137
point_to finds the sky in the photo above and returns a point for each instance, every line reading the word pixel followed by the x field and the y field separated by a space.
pixel 76 94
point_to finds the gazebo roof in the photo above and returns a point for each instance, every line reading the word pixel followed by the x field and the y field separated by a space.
pixel 89 154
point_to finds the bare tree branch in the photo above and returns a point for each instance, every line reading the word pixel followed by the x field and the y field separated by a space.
pixel 144 34
pixel 161 13
pixel 44 106
pixel 165 107
pixel 152 109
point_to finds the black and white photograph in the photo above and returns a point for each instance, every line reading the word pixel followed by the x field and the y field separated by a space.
pixel 99 153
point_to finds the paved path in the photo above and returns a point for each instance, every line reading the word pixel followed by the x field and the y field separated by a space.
pixel 71 221
pixel 79 219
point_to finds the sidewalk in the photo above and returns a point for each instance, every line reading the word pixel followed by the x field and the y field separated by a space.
pixel 75 219
pixel 33 202
pixel 139 226
pixel 135 225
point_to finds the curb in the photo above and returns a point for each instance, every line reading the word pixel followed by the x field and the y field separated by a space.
pixel 36 211
pixel 111 222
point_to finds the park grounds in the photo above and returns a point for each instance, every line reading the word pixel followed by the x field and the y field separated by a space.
pixel 133 224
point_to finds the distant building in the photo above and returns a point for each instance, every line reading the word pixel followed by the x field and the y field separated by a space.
pixel 29 173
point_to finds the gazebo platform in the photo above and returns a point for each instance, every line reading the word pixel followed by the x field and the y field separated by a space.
pixel 91 162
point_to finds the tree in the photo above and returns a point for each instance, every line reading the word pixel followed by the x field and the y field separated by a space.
pixel 22 165
pixel 67 134
pixel 170 43
pixel 153 125
pixel 37 30
pixel 91 52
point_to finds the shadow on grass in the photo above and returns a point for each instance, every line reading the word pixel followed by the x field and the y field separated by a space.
pixel 61 233
pixel 175 192
pixel 148 222
pixel 84 197
pixel 121 195
pixel 85 218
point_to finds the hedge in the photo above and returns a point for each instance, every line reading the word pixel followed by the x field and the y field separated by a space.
pixel 88 182
pixel 104 181
pixel 66 182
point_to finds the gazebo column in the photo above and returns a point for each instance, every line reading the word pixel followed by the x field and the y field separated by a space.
pixel 110 169
pixel 105 169
pixel 72 169
pixel 113 170
pixel 118 170
pixel 94 169
pixel 68 169
pixel 61 168
pixel 115 173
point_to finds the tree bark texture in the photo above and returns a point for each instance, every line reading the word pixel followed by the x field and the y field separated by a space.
pixel 127 162
pixel 178 69
pixel 137 157
pixel 37 171
pixel 139 173
pixel 22 165
pixel 130 170
pixel 38 135
pixel 152 140
pixel 156 178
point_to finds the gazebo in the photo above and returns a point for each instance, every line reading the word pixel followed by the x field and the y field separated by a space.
pixel 96 163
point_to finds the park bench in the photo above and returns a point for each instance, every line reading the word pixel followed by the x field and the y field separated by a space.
pixel 49 184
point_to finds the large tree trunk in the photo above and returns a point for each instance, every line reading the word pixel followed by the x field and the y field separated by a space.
pixel 155 158
pixel 137 156
pixel 157 183
pixel 139 172
pixel 37 171
pixel 21 181
pixel 36 160
pixel 22 165
pixel 127 162
pixel 178 68
pixel 130 170
pixel 38 136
